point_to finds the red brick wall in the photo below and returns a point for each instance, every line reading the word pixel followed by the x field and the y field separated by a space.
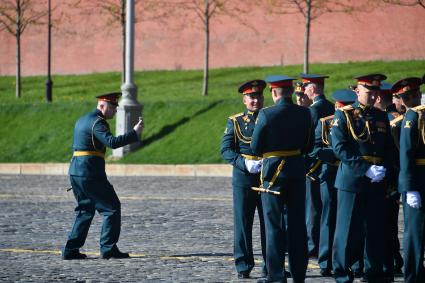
pixel 391 33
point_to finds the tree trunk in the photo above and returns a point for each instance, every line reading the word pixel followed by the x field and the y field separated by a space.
pixel 18 50
pixel 307 36
pixel 49 82
pixel 207 47
pixel 123 40
pixel 18 65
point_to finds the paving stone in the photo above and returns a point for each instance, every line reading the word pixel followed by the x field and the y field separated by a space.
pixel 178 229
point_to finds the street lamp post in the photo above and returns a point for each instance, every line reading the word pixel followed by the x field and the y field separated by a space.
pixel 129 109
pixel 49 83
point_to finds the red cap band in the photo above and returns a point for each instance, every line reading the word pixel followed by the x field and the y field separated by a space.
pixel 280 84
pixel 252 90
pixel 313 80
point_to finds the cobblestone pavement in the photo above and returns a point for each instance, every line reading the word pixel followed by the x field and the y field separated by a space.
pixel 177 229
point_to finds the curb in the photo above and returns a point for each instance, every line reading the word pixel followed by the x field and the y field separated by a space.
pixel 189 170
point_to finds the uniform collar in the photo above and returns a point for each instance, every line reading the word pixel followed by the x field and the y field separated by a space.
pixel 99 113
pixel 284 101
pixel 251 113
pixel 319 97
pixel 365 108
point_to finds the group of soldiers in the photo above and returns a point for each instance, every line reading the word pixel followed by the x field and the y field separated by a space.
pixel 327 179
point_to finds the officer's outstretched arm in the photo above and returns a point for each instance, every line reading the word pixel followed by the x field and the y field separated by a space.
pixel 103 134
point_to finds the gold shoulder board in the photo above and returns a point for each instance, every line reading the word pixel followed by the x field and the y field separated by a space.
pixel 233 117
pixel 395 114
pixel 419 108
pixel 346 108
pixel 394 121
pixel 327 118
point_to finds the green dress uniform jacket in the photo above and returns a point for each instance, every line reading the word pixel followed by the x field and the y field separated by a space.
pixel 92 133
pixel 412 170
pixel 235 148
pixel 357 156
pixel 283 134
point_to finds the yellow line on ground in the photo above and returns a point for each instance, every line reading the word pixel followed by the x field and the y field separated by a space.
pixel 137 255
pixel 17 196
pixel 312 265
pixel 55 252
pixel 182 258
pixel 6 196
pixel 30 251
pixel 174 257
pixel 175 198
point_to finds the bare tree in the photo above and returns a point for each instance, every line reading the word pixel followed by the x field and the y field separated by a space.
pixel 114 12
pixel 205 11
pixel 410 3
pixel 310 10
pixel 15 17
pixel 209 10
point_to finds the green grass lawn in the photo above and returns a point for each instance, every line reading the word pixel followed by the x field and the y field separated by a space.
pixel 181 126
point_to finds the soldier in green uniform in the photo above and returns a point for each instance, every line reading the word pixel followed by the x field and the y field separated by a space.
pixel 411 181
pixel 323 151
pixel 393 261
pixel 235 149
pixel 90 186
pixel 301 98
pixel 398 104
pixel 282 135
pixel 321 107
pixel 361 140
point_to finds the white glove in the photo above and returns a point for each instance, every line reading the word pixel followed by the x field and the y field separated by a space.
pixel 380 173
pixel 413 198
pixel 139 126
pixel 376 173
pixel 253 166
